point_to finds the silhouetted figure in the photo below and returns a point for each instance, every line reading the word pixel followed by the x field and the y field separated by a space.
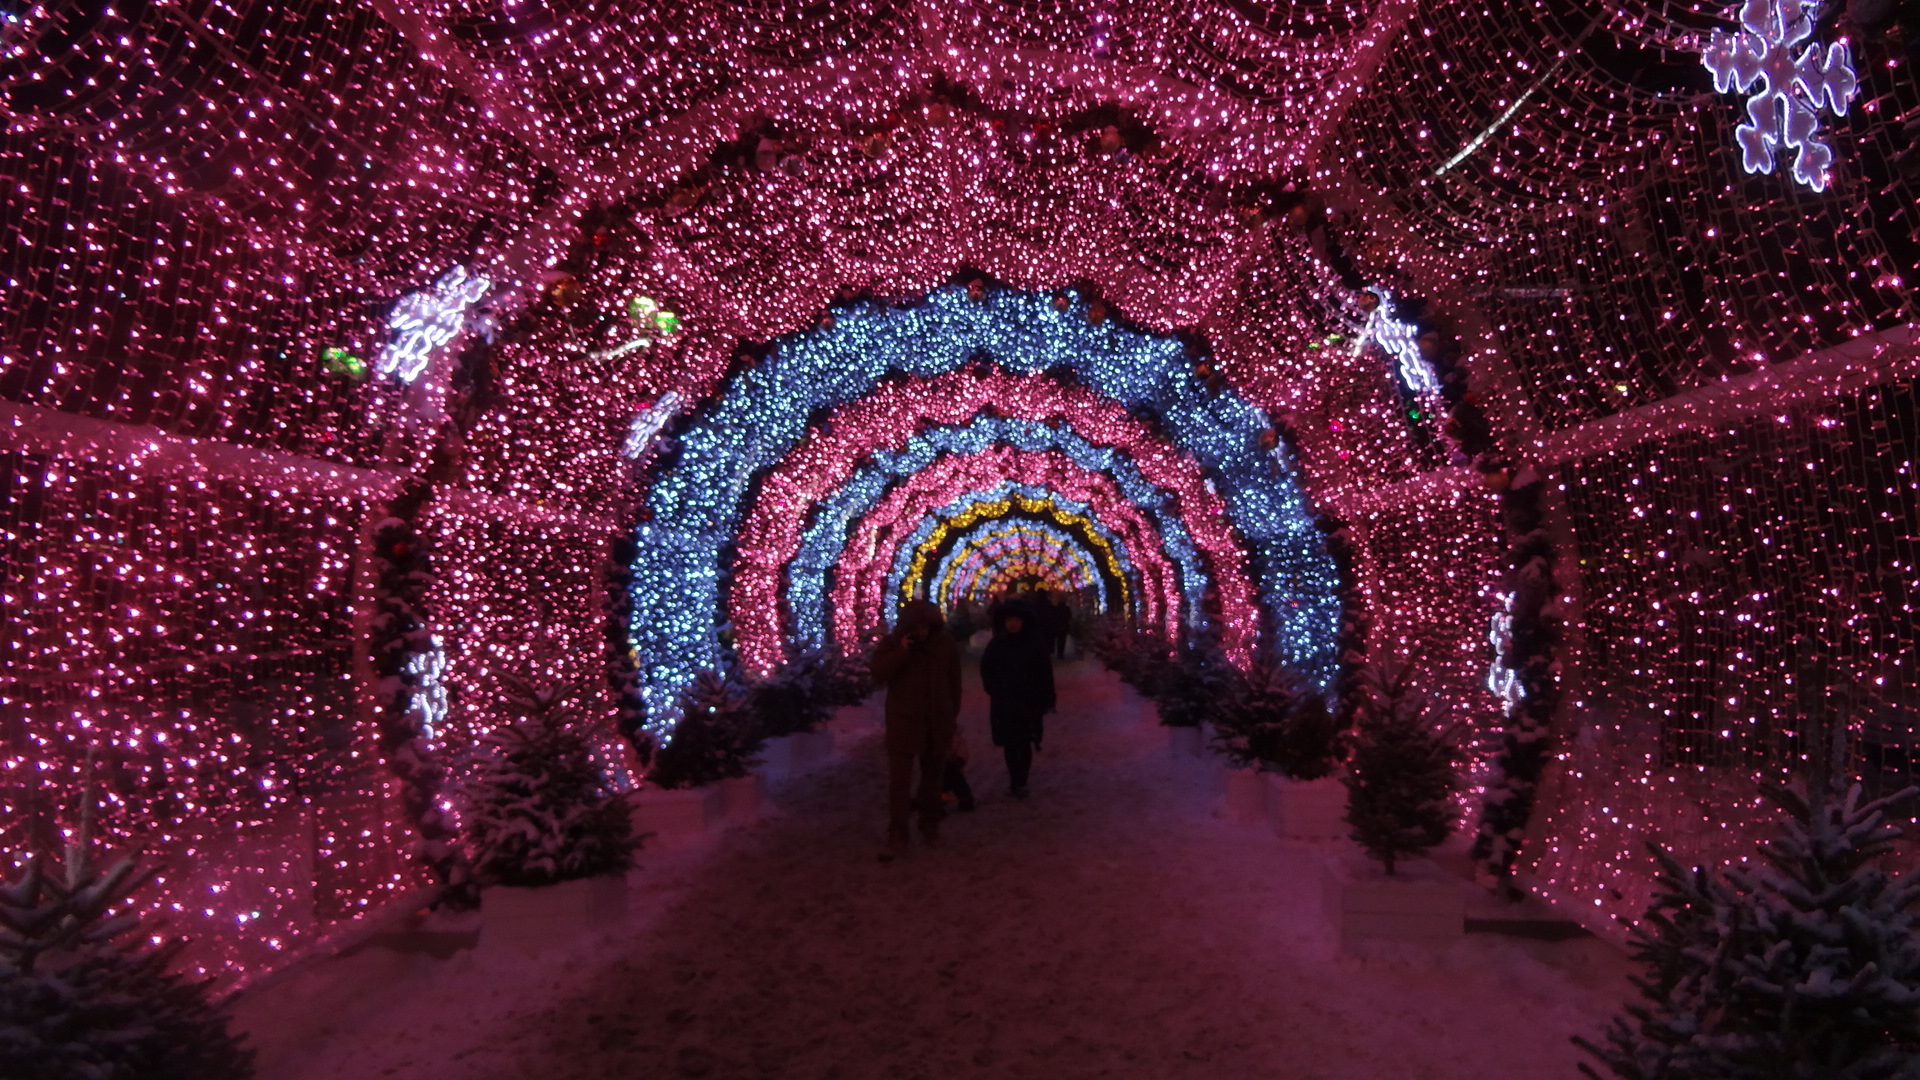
pixel 1017 673
pixel 1059 623
pixel 919 665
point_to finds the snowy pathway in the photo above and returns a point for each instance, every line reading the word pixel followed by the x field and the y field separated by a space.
pixel 1111 926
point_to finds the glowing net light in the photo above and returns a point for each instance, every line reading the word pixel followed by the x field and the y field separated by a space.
pixel 424 323
pixel 1784 112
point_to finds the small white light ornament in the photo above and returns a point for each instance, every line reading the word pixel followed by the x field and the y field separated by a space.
pixel 1785 112
pixel 425 322
pixel 1400 340
pixel 1502 680
pixel 647 424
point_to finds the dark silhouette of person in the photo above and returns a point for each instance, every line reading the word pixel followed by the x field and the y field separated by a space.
pixel 1059 622
pixel 919 664
pixel 1017 673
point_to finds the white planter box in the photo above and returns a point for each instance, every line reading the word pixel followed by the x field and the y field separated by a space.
pixel 743 797
pixel 1246 795
pixel 1420 903
pixel 531 920
pixel 675 814
pixel 797 754
pixel 1307 811
pixel 1184 742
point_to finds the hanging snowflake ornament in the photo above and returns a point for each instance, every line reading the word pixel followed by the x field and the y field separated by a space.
pixel 1785 112
pixel 425 322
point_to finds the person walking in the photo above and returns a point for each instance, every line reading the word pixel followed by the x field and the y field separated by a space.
pixel 1017 674
pixel 919 664
pixel 1059 622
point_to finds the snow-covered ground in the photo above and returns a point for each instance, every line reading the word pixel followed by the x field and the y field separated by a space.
pixel 1110 926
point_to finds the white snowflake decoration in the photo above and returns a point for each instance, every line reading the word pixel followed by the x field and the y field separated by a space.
pixel 1400 340
pixel 647 424
pixel 1786 111
pixel 425 322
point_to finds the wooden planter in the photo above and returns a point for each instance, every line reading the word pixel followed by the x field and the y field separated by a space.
pixel 524 921
pixel 1307 811
pixel 1419 904
pixel 1246 799
pixel 676 814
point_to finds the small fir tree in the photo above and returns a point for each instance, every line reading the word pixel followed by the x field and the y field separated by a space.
pixel 715 739
pixel 1277 721
pixel 1400 776
pixel 844 680
pixel 540 810
pixel 1197 685
pixel 1804 967
pixel 795 698
pixel 82 999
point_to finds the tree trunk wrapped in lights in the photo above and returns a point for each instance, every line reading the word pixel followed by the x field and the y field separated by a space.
pixel 401 638
pixel 1532 636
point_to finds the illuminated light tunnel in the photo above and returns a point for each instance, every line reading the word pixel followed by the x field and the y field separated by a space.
pixel 707 500
pixel 870 586
pixel 824 541
pixel 1062 558
pixel 366 367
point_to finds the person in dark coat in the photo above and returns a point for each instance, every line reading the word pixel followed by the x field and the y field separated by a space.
pixel 1059 622
pixel 1017 673
pixel 919 664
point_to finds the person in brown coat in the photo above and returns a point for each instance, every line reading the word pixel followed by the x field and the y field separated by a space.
pixel 919 665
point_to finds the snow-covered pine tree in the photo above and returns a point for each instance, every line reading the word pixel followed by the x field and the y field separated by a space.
pixel 539 810
pixel 1804 967
pixel 845 680
pixel 1276 719
pixel 794 698
pixel 1196 686
pixel 81 998
pixel 715 739
pixel 1400 776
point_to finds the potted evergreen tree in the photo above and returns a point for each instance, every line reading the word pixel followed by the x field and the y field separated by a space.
pixel 549 836
pixel 1805 966
pixel 1191 691
pixel 791 705
pixel 710 750
pixel 1278 730
pixel 1400 783
pixel 83 997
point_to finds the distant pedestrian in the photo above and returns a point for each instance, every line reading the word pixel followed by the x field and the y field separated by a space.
pixel 1059 622
pixel 1017 674
pixel 919 664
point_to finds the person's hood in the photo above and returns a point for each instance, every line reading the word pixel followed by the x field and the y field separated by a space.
pixel 921 614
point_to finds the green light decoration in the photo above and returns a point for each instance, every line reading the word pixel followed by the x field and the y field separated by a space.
pixel 338 361
pixel 646 314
